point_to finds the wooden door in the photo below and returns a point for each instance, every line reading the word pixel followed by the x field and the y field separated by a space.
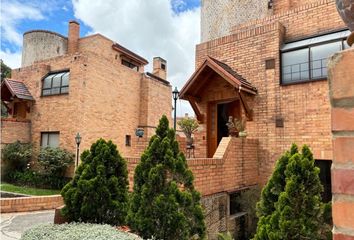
pixel 212 129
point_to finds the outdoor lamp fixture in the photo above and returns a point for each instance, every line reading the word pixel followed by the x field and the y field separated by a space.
pixel 175 97
pixel 78 141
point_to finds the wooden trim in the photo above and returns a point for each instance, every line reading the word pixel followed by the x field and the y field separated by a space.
pixel 248 110
pixel 195 107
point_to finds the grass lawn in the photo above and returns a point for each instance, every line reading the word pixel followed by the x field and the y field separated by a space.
pixel 7 187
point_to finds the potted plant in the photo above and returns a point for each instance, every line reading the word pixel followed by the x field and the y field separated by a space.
pixel 237 127
pixel 188 126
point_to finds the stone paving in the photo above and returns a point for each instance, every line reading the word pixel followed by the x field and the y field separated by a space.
pixel 14 224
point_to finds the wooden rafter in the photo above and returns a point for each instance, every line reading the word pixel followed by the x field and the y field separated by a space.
pixel 199 115
pixel 248 110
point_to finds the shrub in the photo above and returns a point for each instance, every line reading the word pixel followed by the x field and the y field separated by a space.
pixel 16 156
pixel 290 205
pixel 164 203
pixel 76 231
pixel 98 192
pixel 188 126
pixel 54 161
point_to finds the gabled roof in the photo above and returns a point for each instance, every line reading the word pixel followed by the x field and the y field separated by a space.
pixel 16 88
pixel 222 69
pixel 130 54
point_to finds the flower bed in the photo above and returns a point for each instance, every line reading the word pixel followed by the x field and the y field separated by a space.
pixel 76 231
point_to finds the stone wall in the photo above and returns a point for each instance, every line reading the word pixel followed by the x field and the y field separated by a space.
pixel 341 89
pixel 305 107
pixel 13 130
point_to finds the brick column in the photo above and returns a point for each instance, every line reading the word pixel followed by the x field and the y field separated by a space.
pixel 341 91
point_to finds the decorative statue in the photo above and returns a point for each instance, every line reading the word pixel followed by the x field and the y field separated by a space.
pixel 236 127
pixel 346 11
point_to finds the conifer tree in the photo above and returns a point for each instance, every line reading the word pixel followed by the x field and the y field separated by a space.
pixel 98 192
pixel 290 205
pixel 164 203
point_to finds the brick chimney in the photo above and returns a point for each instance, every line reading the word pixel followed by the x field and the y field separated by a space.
pixel 159 67
pixel 73 37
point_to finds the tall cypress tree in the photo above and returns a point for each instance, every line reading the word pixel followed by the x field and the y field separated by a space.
pixel 290 205
pixel 98 192
pixel 164 203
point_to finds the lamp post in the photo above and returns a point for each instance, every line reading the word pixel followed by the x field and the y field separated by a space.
pixel 175 97
pixel 78 141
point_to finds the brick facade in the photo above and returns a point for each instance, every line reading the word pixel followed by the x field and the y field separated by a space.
pixel 13 130
pixel 341 89
pixel 106 99
pixel 25 204
pixel 304 107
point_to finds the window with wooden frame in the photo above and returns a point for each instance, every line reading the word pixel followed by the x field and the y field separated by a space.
pixel 306 60
pixel 56 83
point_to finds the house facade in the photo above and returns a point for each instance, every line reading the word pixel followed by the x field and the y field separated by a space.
pixel 266 62
pixel 88 85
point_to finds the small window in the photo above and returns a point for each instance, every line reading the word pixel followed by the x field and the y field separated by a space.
pixel 163 66
pixel 128 140
pixel 325 178
pixel 50 139
pixel 235 206
pixel 130 65
pixel 56 83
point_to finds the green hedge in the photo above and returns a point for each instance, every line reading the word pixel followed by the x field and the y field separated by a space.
pixel 76 231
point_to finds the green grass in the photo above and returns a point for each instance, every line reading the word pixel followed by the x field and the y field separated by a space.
pixel 7 187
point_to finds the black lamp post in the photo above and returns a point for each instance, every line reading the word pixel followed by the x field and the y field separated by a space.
pixel 175 97
pixel 78 141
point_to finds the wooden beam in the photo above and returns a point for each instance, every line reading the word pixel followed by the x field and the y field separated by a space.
pixel 248 110
pixel 196 109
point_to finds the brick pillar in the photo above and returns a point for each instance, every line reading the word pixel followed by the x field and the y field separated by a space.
pixel 341 87
pixel 73 37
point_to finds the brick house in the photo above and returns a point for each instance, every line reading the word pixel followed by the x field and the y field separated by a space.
pixel 264 61
pixel 89 85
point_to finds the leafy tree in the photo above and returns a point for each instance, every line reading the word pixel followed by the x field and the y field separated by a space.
pixel 290 205
pixel 98 192
pixel 164 203
pixel 5 71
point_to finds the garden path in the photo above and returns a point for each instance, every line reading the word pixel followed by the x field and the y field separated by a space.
pixel 14 224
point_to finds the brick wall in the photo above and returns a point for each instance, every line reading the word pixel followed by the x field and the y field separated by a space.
pixel 24 204
pixel 341 88
pixel 13 130
pixel 305 107
pixel 104 100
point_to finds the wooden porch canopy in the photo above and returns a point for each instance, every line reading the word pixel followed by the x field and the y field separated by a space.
pixel 11 88
pixel 191 89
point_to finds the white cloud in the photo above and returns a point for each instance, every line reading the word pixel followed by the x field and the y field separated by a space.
pixel 149 28
pixel 12 12
pixel 13 60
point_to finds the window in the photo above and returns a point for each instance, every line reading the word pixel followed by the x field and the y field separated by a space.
pixel 235 206
pixel 130 65
pixel 128 140
pixel 50 139
pixel 306 60
pixel 56 83
pixel 163 66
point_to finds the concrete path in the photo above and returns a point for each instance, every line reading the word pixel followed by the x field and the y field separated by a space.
pixel 14 224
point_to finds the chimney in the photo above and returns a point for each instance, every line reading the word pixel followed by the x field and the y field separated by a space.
pixel 160 67
pixel 73 37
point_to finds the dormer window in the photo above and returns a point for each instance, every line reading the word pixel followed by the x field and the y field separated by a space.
pixel 130 65
pixel 56 83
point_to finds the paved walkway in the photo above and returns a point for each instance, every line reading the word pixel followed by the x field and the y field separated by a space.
pixel 14 224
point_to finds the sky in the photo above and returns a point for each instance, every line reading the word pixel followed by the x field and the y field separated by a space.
pixel 166 28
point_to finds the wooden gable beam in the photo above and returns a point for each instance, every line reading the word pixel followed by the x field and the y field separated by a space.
pixel 248 110
pixel 192 101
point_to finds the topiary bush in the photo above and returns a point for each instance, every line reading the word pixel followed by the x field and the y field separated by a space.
pixel 76 231
pixel 164 203
pixel 98 192
pixel 16 156
pixel 290 205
